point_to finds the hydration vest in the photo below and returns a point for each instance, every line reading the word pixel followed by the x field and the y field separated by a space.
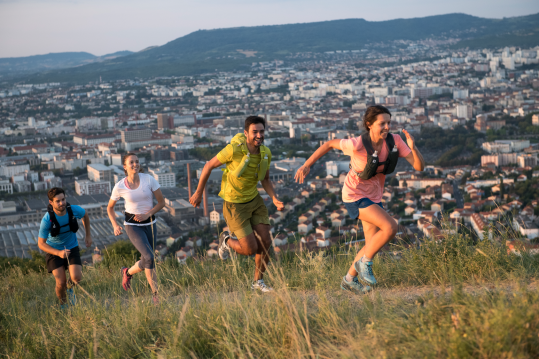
pixel 374 162
pixel 55 228
pixel 240 141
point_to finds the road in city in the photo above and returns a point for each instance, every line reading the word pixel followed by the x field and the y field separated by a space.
pixel 458 195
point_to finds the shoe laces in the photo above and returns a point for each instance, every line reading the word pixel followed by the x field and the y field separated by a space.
pixel 369 268
pixel 261 284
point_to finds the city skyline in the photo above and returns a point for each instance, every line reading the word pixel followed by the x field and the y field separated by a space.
pixel 41 27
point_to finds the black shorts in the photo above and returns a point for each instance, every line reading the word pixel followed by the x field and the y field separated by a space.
pixel 54 262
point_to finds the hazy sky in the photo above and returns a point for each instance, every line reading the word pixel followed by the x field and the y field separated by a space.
pixel 30 27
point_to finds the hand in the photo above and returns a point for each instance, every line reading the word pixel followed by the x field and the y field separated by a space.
pixel 278 204
pixel 64 254
pixel 195 199
pixel 302 172
pixel 141 217
pixel 88 241
pixel 409 139
pixel 118 230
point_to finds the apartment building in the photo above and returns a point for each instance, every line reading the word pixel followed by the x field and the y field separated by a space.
pixel 164 176
pixel 83 187
pixel 99 173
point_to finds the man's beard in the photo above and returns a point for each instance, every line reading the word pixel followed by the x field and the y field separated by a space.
pixel 256 143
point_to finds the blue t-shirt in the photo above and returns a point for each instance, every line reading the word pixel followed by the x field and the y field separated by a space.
pixel 66 239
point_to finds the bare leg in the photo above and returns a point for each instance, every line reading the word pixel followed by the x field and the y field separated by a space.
pixel 151 276
pixel 61 283
pixel 385 226
pixel 369 230
pixel 75 273
pixel 250 245
pixel 262 234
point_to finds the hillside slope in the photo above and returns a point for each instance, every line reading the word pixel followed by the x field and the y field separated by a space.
pixel 37 63
pixel 448 299
pixel 207 50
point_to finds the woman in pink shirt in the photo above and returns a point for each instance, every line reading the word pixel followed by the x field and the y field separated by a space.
pixel 362 197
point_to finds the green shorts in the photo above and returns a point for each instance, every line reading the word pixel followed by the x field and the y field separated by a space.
pixel 241 217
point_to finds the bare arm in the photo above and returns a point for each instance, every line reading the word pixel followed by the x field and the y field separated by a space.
pixel 206 171
pixel 86 224
pixel 159 206
pixel 303 171
pixel 415 158
pixel 112 217
pixel 268 187
pixel 42 244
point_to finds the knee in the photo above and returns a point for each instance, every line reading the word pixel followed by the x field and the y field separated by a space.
pixel 391 229
pixel 148 261
pixel 61 283
pixel 76 278
pixel 251 248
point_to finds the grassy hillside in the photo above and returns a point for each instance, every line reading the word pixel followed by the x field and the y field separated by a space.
pixel 443 300
pixel 208 50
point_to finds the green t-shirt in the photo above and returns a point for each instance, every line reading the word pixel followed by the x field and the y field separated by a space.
pixel 242 189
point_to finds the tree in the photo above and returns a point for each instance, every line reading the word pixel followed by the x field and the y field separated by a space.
pixel 502 188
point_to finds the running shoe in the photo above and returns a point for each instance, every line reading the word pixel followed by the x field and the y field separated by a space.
pixel 64 307
pixel 155 299
pixel 364 270
pixel 71 296
pixel 126 278
pixel 70 293
pixel 261 286
pixel 354 286
pixel 224 249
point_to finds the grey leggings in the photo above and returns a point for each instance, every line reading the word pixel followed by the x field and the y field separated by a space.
pixel 141 237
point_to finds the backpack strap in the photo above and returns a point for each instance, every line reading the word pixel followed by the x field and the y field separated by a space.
pixel 73 224
pixel 55 227
pixel 367 143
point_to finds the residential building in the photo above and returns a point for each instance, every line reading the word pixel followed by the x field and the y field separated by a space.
pixel 83 187
pixel 99 173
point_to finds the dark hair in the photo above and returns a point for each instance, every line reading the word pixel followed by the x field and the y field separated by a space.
pixel 254 120
pixel 124 160
pixel 55 191
pixel 372 113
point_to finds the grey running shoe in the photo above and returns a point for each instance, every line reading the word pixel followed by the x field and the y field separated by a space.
pixel 354 286
pixel 224 249
pixel 364 270
pixel 261 286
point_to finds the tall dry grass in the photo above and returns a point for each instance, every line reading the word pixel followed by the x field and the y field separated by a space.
pixel 450 299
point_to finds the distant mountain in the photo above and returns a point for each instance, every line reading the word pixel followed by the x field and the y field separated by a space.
pixel 39 63
pixel 226 49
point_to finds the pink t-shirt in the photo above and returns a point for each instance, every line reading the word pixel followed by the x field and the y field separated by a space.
pixel 354 187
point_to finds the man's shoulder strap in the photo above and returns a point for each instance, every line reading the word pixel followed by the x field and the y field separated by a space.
pixel 367 143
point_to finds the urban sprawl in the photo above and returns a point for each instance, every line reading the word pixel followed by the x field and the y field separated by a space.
pixel 474 115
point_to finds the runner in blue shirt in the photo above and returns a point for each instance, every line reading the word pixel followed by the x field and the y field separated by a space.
pixel 57 238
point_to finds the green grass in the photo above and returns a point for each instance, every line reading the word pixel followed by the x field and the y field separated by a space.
pixel 443 300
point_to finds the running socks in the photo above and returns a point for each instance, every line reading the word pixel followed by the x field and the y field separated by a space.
pixel 349 278
pixel 365 259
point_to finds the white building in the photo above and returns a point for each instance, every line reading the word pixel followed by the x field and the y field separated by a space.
pixel 164 176
pixel 83 187
pixel 12 169
pixel 216 217
pixel 334 168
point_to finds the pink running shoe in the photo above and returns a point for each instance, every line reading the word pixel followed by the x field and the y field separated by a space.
pixel 126 279
pixel 155 299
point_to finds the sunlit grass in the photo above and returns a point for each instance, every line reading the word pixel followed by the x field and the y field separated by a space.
pixel 446 299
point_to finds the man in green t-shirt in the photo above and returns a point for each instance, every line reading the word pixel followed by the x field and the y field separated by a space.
pixel 247 162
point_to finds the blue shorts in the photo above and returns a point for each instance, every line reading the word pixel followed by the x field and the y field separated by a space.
pixel 353 207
